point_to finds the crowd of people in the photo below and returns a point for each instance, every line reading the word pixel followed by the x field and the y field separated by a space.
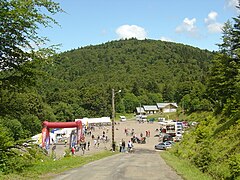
pixel 97 138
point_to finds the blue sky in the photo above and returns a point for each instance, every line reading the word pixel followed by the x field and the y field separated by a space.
pixel 92 22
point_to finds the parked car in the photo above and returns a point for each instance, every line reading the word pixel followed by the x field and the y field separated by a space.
pixel 178 138
pixel 171 142
pixel 179 134
pixel 141 118
pixel 167 137
pixel 163 146
pixel 122 118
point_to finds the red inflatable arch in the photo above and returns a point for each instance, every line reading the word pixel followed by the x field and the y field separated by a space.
pixel 47 125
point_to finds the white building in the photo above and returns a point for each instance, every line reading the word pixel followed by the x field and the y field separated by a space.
pixel 167 107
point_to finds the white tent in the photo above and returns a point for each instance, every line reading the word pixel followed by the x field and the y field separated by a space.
pixel 38 138
pixel 62 133
pixel 86 121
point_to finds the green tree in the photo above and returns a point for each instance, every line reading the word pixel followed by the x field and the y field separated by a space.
pixel 6 140
pixel 130 102
pixel 224 77
pixel 20 103
pixel 227 44
pixel 136 89
pixel 168 93
pixel 14 127
pixel 63 112
pixel 19 23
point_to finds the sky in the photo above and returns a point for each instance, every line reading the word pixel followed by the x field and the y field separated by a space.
pixel 196 23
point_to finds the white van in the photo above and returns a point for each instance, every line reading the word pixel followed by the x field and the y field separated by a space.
pixel 141 118
pixel 122 118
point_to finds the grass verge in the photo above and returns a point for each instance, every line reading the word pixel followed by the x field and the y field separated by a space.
pixel 183 167
pixel 49 168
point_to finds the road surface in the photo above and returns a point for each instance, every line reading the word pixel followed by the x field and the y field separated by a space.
pixel 143 164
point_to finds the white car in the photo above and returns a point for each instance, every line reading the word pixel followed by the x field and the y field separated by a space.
pixel 141 118
pixel 122 118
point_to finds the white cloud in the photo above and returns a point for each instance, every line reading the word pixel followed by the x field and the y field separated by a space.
pixel 215 27
pixel 211 22
pixel 212 16
pixel 165 39
pixel 232 3
pixel 188 26
pixel 131 31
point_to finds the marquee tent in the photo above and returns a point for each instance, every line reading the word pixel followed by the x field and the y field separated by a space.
pixel 86 121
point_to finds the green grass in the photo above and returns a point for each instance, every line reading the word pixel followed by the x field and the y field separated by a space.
pixel 183 167
pixel 49 168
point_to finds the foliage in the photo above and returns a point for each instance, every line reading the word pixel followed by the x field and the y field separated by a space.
pixel 47 168
pixel 234 166
pixel 223 84
pixel 210 147
pixel 18 157
pixel 36 86
pixel 146 71
pixel 6 140
pixel 213 145
pixel 183 167
pixel 18 26
pixel 21 107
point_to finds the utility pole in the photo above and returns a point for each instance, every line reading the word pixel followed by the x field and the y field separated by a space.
pixel 113 119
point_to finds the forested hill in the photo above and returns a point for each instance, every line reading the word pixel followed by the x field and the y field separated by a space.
pixel 147 72
pixel 123 63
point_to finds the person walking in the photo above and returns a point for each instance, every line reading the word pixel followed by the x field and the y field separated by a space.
pixel 123 146
pixel 130 146
pixel 73 151
pixel 95 143
pixel 98 143
pixel 120 146
pixel 88 145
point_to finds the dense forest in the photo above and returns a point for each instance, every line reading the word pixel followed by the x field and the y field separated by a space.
pixel 38 85
pixel 146 72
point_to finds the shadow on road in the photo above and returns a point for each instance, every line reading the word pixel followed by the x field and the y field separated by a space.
pixel 145 151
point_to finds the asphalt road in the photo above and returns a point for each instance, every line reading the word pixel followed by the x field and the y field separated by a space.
pixel 143 164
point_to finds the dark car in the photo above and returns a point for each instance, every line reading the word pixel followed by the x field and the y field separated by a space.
pixel 163 146
pixel 167 137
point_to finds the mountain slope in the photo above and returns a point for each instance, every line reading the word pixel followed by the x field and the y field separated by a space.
pixel 151 71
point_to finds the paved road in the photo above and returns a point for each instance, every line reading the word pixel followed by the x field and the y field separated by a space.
pixel 141 165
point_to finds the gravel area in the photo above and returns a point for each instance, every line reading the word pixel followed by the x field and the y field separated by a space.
pixel 119 134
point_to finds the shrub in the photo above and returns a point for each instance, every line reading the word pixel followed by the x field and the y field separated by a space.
pixel 234 163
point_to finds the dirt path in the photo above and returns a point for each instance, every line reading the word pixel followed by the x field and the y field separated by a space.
pixel 119 135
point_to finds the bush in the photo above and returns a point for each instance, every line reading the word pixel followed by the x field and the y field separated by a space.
pixel 18 158
pixel 234 163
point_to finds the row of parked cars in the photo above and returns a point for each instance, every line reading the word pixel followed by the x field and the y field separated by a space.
pixel 167 142
pixel 164 145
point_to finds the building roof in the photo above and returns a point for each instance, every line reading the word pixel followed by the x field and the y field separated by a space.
pixel 140 110
pixel 150 108
pixel 162 105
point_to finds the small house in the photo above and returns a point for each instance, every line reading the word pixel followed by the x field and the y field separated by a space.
pixel 151 109
pixel 140 110
pixel 167 107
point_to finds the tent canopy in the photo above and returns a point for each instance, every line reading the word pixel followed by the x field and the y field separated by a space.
pixel 95 120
